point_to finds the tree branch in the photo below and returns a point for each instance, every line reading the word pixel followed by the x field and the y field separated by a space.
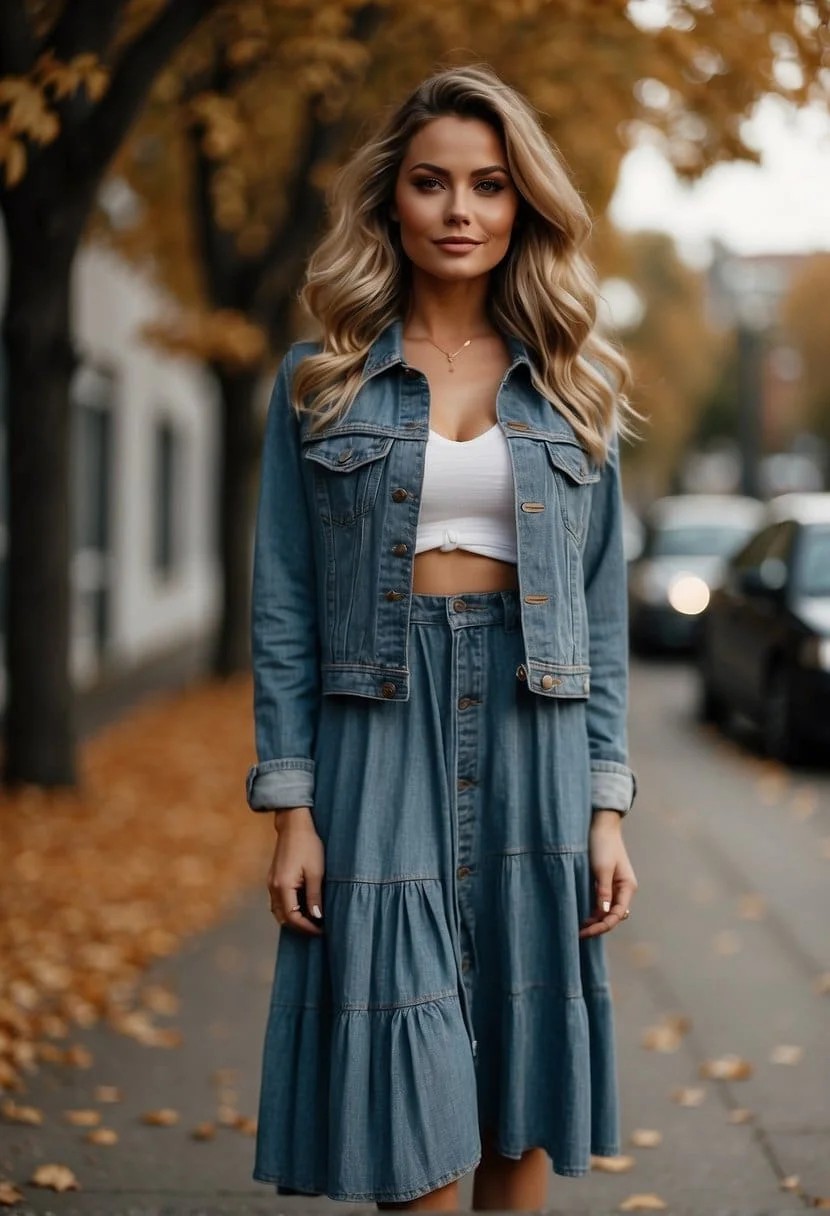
pixel 86 25
pixel 18 47
pixel 138 67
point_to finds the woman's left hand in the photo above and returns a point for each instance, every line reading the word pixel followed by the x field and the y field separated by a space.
pixel 614 876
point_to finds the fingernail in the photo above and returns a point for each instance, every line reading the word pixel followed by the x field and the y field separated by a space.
pixel 315 908
pixel 606 905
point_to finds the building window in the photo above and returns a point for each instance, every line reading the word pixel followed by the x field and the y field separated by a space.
pixel 167 485
pixel 93 398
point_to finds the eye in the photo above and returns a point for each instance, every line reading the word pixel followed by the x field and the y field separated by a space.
pixel 490 186
pixel 426 183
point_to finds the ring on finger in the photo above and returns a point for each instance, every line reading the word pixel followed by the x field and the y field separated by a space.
pixel 626 914
pixel 296 908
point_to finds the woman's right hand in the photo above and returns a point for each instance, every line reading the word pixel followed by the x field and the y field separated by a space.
pixel 297 863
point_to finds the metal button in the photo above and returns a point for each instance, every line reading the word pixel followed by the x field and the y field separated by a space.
pixel 465 702
pixel 521 672
pixel 548 681
pixel 400 494
pixel 459 605
pixel 394 595
pixel 345 455
pixel 387 690
pixel 463 871
pixel 400 549
pixel 410 372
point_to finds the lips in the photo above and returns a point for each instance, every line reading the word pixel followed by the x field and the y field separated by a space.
pixel 457 240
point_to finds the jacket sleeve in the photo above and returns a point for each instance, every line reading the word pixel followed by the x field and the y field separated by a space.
pixel 284 638
pixel 613 783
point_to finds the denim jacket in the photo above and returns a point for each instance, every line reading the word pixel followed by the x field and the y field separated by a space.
pixel 333 566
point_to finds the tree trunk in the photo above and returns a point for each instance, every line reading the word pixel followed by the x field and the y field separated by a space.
pixel 39 725
pixel 240 448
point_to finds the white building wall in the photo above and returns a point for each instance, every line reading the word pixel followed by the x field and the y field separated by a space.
pixel 148 613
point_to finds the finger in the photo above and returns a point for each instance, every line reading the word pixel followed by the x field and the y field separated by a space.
pixel 605 889
pixel 314 895
pixel 295 918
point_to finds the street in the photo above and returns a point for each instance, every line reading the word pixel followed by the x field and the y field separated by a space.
pixel 729 932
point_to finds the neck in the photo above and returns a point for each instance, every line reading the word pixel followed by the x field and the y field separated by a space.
pixel 448 313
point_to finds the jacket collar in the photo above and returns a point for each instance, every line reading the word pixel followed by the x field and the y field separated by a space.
pixel 387 350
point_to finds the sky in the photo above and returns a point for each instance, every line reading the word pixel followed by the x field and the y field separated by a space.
pixel 779 206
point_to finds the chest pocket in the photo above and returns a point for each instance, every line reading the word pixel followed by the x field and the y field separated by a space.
pixel 347 473
pixel 574 474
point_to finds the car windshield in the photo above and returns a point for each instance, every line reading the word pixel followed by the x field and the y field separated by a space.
pixel 697 540
pixel 814 567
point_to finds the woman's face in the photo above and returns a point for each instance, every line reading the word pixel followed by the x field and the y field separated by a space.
pixel 454 199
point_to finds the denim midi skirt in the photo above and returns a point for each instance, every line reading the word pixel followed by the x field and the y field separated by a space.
pixel 450 992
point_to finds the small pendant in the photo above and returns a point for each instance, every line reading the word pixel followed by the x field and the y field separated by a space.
pixel 450 361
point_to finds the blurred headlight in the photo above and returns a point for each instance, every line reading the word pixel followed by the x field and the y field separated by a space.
pixel 815 652
pixel 688 594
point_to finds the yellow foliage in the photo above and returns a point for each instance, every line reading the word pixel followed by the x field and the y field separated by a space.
pixel 12 156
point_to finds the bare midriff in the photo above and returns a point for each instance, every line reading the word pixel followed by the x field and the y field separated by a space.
pixel 437 572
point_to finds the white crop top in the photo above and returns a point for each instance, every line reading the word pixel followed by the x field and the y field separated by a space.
pixel 467 498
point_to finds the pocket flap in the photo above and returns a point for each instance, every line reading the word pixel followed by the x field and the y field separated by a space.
pixel 342 453
pixel 573 461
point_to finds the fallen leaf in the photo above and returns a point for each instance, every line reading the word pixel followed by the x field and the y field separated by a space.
pixel 752 907
pixel 726 943
pixel 820 1201
pixel 740 1114
pixel 204 1131
pixel 667 1034
pixel 107 1093
pixel 246 1125
pixel 9 1194
pixel 688 1095
pixel 78 1056
pixel 786 1053
pixel 619 1164
pixel 823 983
pixel 646 1202
pixel 224 1076
pixel 791 1183
pixel 646 1137
pixel 82 1118
pixel 726 1068
pixel 163 1117
pixel 56 1177
pixel 160 999
pixel 13 1113
pixel 102 1135
pixel 227 1115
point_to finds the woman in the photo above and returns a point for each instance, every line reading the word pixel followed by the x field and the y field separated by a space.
pixel 438 552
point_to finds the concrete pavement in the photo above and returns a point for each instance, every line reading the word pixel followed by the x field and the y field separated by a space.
pixel 729 930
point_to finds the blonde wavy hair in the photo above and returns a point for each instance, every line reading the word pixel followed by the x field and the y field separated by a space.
pixel 544 291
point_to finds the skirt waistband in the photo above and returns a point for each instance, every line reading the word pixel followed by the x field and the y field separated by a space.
pixel 471 608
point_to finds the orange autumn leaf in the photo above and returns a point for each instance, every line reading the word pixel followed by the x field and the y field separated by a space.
pixel 9 1194
pixel 204 1131
pixel 726 1068
pixel 82 1118
pixel 618 1164
pixel 646 1137
pixel 165 1116
pixel 786 1053
pixel 740 1115
pixel 13 1113
pixel 55 1177
pixel 688 1095
pixel 102 1136
pixel 646 1202
pixel 107 1093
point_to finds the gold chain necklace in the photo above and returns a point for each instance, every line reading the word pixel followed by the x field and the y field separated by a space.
pixel 449 357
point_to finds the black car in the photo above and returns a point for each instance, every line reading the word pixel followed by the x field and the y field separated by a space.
pixel 765 637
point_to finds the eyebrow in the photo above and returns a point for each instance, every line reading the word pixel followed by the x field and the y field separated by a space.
pixel 475 173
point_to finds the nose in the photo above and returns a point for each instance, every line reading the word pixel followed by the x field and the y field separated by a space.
pixel 457 209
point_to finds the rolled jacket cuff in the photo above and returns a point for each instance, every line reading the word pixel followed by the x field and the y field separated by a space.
pixel 613 786
pixel 280 783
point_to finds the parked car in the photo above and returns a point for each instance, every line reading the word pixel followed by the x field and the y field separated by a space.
pixel 688 538
pixel 765 642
